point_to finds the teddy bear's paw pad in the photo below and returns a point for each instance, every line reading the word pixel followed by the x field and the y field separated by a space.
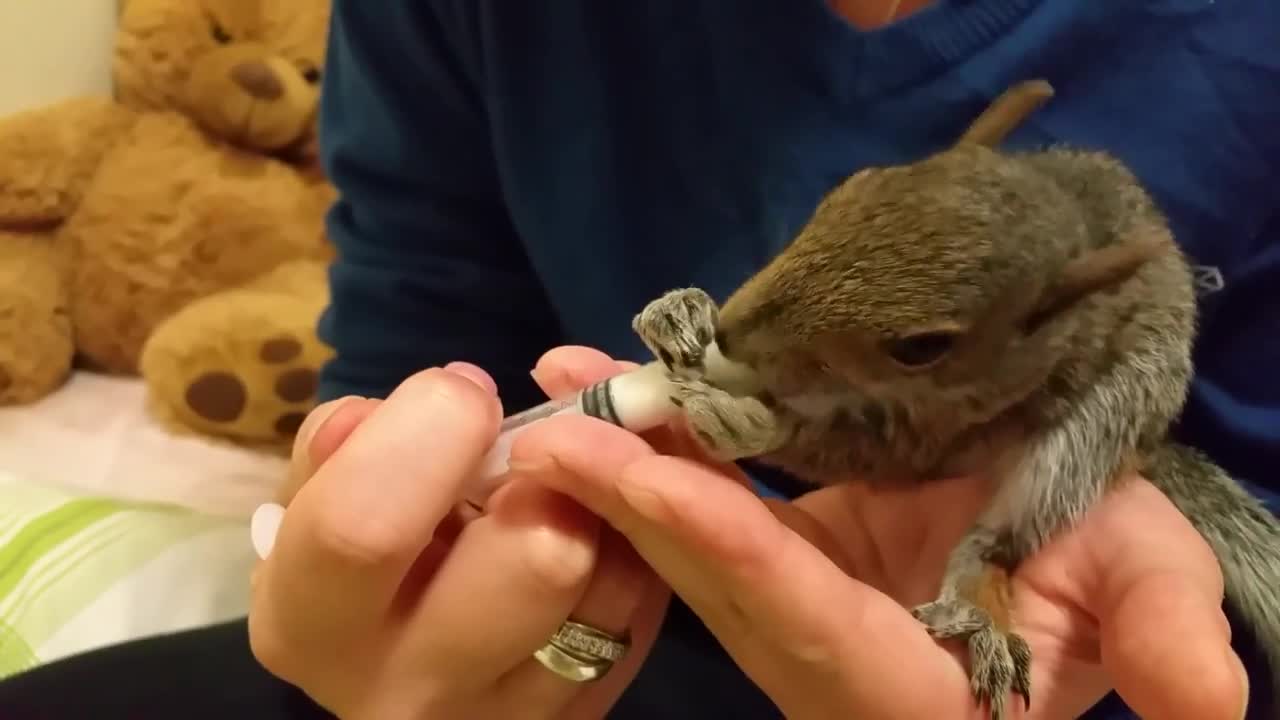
pixel 222 397
pixel 279 350
pixel 297 385
pixel 217 396
pixel 289 423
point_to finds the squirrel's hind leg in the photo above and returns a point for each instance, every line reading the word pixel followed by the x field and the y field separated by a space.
pixel 974 605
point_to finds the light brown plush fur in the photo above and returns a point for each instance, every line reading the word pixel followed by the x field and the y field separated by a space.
pixel 177 229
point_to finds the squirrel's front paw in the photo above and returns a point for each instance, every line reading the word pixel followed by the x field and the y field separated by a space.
pixel 999 660
pixel 728 427
pixel 677 328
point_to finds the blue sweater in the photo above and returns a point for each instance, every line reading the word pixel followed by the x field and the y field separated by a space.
pixel 516 176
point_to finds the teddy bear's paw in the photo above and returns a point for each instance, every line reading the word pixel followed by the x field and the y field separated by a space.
pixel 249 381
pixel 30 377
pixel 35 329
pixel 25 385
pixel 222 396
pixel 269 395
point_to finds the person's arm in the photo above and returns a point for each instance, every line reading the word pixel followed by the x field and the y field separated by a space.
pixel 429 268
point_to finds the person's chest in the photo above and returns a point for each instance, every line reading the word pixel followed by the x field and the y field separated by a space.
pixel 655 147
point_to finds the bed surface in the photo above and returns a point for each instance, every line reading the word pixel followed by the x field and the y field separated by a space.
pixel 112 527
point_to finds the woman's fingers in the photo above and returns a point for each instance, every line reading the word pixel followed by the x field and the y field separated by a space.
pixel 475 374
pixel 360 523
pixel 1168 655
pixel 329 424
pixel 570 368
pixel 612 602
pixel 804 631
pixel 622 589
pixel 810 635
pixel 324 430
pixel 320 436
pixel 512 576
pixel 1158 595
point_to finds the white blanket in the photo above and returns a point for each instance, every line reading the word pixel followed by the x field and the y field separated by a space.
pixel 94 434
pixel 113 528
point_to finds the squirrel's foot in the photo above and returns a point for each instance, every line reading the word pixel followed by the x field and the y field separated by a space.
pixel 999 660
pixel 728 427
pixel 677 328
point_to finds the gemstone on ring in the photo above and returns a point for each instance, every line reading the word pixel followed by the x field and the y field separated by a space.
pixel 581 653
pixel 580 639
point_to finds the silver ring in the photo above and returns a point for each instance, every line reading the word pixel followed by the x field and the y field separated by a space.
pixel 581 653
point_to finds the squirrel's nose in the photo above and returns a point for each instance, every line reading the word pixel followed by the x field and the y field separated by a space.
pixel 258 80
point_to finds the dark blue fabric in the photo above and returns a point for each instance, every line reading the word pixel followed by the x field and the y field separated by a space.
pixel 516 176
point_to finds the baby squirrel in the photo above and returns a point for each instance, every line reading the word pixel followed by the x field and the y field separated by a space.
pixel 1026 314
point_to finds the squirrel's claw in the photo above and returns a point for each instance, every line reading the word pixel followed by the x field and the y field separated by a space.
pixel 1021 654
pixel 677 328
pixel 999 660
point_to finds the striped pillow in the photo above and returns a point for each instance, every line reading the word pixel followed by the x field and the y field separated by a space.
pixel 79 572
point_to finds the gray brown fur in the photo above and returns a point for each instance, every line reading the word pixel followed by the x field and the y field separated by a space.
pixel 1072 314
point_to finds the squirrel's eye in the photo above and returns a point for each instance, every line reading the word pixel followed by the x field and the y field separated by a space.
pixel 219 33
pixel 917 351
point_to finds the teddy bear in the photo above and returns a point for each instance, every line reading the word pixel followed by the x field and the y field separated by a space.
pixel 175 230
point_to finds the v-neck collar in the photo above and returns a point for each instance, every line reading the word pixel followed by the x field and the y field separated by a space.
pixel 852 64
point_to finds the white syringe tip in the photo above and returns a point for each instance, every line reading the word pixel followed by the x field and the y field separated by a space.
pixel 638 400
pixel 728 374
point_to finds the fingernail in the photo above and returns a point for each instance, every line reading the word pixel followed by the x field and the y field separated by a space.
pixel 540 377
pixel 640 496
pixel 264 526
pixel 473 373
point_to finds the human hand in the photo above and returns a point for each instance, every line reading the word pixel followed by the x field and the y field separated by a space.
pixel 384 598
pixel 810 598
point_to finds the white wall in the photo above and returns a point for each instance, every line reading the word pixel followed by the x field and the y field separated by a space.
pixel 54 49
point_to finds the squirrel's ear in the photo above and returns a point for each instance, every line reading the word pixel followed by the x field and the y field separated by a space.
pixel 1006 113
pixel 1090 272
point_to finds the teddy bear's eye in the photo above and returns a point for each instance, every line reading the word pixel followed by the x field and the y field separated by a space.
pixel 220 34
pixel 311 73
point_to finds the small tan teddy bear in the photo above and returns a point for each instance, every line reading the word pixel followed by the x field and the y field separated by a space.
pixel 177 229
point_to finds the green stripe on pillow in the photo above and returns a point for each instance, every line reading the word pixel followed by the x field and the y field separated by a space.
pixel 15 654
pixel 60 553
pixel 44 533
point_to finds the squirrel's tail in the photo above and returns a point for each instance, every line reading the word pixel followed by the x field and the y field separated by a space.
pixel 1247 544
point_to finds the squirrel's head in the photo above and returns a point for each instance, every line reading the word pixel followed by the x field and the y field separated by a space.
pixel 248 71
pixel 950 285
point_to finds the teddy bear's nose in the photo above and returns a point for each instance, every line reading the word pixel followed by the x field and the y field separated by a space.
pixel 257 80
